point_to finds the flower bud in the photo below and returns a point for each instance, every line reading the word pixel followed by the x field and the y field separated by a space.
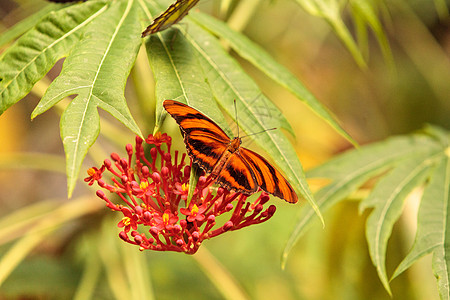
pixel 107 163
pixel 156 177
pixel 123 236
pixel 115 156
pixel 165 172
pixel 100 194
pixel 177 228
pixel 187 171
pixel 147 216
pixel 258 208
pixel 220 191
pixel 138 210
pixel 124 163
pixel 145 171
pixel 153 153
pixel 138 239
pixel 264 198
pixel 129 149
pixel 227 226
pixel 154 230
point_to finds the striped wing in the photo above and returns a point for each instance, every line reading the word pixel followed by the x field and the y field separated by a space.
pixel 171 16
pixel 205 141
pixel 235 168
pixel 237 175
pixel 267 177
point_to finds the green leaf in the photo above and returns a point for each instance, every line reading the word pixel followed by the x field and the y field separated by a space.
pixel 262 60
pixel 365 11
pixel 330 12
pixel 230 83
pixel 387 199
pixel 433 227
pixel 184 61
pixel 222 68
pixel 96 71
pixel 179 76
pixel 26 24
pixel 348 171
pixel 35 53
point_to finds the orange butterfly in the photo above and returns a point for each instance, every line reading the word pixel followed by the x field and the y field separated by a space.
pixel 233 167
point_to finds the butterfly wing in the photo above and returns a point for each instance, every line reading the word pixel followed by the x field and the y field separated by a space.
pixel 205 141
pixel 267 177
pixel 237 175
pixel 237 168
pixel 171 16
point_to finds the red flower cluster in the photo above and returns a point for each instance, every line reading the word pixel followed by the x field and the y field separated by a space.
pixel 154 199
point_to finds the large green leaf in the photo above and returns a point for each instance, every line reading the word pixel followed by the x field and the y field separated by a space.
pixel 365 16
pixel 387 199
pixel 348 171
pixel 178 74
pixel 35 53
pixel 26 24
pixel 330 12
pixel 96 71
pixel 364 13
pixel 229 83
pixel 433 226
pixel 192 58
pixel 262 60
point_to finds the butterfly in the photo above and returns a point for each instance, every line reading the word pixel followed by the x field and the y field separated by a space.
pixel 171 16
pixel 231 166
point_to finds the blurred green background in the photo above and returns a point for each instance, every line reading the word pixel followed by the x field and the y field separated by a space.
pixel 84 254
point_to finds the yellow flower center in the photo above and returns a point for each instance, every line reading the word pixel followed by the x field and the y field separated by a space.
pixel 165 218
pixel 194 210
pixel 91 171
pixel 157 135
pixel 185 187
pixel 143 185
pixel 126 221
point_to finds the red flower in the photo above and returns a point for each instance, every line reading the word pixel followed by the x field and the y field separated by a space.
pixel 195 213
pixel 129 220
pixel 181 189
pixel 158 139
pixel 153 190
pixel 165 221
pixel 94 175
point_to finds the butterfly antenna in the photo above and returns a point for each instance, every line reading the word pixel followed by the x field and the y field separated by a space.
pixel 259 132
pixel 235 114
